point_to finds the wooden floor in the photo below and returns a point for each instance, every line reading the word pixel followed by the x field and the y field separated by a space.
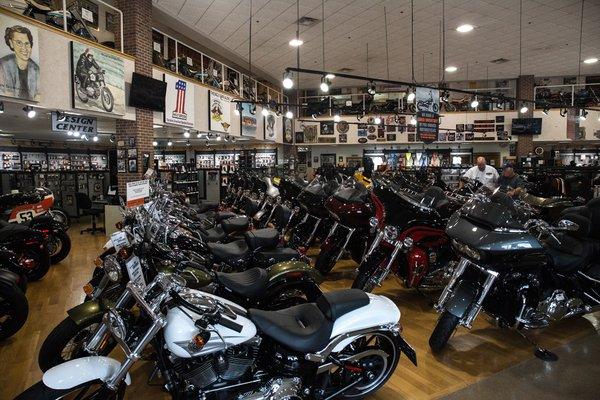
pixel 471 355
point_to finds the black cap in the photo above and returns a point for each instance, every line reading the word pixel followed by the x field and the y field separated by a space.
pixel 508 165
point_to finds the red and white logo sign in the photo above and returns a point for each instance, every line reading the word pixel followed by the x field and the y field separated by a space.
pixel 179 102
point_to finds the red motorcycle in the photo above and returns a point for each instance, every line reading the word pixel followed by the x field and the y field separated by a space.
pixel 411 240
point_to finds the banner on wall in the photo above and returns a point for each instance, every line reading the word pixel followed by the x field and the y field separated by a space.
pixel 248 122
pixel 219 112
pixel 427 102
pixel 19 47
pixel 98 79
pixel 271 125
pixel 179 102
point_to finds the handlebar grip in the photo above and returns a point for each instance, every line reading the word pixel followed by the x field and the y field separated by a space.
pixel 230 324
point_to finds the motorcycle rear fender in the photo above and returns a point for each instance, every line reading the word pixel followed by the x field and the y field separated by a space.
pixel 86 311
pixel 292 270
pixel 463 296
pixel 82 370
pixel 407 349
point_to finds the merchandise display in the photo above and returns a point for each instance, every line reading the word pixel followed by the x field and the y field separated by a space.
pixel 299 200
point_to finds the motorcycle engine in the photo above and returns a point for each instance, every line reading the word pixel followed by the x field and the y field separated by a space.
pixel 276 389
pixel 558 306
pixel 224 366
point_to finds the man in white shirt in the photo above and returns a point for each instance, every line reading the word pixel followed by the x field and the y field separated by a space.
pixel 483 173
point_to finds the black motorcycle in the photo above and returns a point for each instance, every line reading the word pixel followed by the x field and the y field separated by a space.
pixel 14 307
pixel 30 247
pixel 522 272
pixel 75 23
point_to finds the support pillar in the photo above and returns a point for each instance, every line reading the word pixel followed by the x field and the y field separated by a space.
pixel 525 90
pixel 137 42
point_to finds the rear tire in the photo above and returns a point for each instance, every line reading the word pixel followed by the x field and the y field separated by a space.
pixel 65 247
pixel 17 310
pixel 444 329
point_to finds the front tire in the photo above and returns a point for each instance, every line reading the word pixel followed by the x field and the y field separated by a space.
pixel 366 271
pixel 107 99
pixel 327 260
pixel 62 243
pixel 96 391
pixel 444 329
pixel 14 309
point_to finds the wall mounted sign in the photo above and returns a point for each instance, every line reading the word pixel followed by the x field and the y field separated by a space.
pixel 74 123
pixel 18 32
pixel 98 79
pixel 219 112
pixel 271 126
pixel 179 102
pixel 248 120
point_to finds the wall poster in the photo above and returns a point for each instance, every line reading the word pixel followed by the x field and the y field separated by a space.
pixel 98 79
pixel 19 57
pixel 248 120
pixel 219 108
pixel 428 120
pixel 288 131
pixel 271 125
pixel 179 101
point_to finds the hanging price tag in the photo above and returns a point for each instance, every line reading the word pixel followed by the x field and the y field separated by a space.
pixel 190 62
pixel 134 269
pixel 119 240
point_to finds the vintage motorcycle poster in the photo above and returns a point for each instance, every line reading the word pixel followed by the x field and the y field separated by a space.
pixel 219 112
pixel 98 79
pixel 19 55
pixel 248 122
pixel 179 102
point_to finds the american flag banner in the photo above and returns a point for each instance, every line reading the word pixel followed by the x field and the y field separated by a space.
pixel 180 105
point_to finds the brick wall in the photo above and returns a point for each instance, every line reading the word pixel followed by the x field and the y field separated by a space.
pixel 525 89
pixel 137 41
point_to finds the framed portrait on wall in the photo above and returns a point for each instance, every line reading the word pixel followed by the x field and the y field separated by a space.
pixel 219 112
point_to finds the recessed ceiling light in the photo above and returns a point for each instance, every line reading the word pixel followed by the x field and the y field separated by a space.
pixel 186 134
pixel 296 42
pixel 451 69
pixel 592 60
pixel 465 28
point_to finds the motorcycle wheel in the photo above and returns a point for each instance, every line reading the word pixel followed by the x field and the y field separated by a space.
pixel 61 216
pixel 365 272
pixel 38 261
pixel 85 391
pixel 65 342
pixel 14 309
pixel 81 94
pixel 326 260
pixel 107 99
pixel 444 329
pixel 60 245
pixel 382 357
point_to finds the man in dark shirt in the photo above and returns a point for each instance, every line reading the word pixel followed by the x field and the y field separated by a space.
pixel 510 182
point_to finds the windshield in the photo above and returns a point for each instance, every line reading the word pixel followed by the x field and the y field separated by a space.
pixel 496 211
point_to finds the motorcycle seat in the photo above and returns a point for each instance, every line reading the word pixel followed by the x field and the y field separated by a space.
pixel 213 235
pixel 572 254
pixel 266 238
pixel 236 224
pixel 276 255
pixel 229 251
pixel 249 284
pixel 223 215
pixel 307 327
pixel 8 230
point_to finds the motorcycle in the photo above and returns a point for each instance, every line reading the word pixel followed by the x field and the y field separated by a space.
pixel 95 88
pixel 522 272
pixel 14 307
pixel 75 24
pixel 24 206
pixel 347 343
pixel 30 246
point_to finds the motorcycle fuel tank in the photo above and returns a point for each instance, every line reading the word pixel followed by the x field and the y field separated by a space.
pixel 354 214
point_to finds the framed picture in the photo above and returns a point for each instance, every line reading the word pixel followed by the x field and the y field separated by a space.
pixel 133 165
pixel 391 137
pixel 499 119
pixel 310 133
pixel 179 101
pixel 411 137
pixel 299 137
pixel 270 126
pixel 121 165
pixel 219 112
pixel 110 21
pixel 327 128
pixel 460 127
pixel 343 138
pixel 362 133
pixel 131 153
pixel 120 153
pixel 17 31
pixel 390 123
pixel 105 92
pixel 288 130
pixel 248 121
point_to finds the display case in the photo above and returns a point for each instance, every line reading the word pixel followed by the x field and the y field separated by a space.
pixel 205 160
pixel 58 162
pixel 11 161
pixel 34 161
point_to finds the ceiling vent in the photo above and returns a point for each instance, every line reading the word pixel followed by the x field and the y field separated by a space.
pixel 307 21
pixel 500 61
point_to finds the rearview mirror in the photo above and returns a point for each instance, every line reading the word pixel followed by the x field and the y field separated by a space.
pixel 567 225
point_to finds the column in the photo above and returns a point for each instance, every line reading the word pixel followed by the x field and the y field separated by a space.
pixel 525 89
pixel 137 41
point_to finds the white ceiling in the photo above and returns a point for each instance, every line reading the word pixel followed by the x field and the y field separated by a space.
pixel 550 35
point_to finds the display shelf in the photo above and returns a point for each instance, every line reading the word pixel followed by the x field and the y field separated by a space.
pixel 34 161
pixel 80 162
pixel 58 162
pixel 11 161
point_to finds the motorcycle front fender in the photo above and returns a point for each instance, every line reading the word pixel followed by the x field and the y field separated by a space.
pixel 86 311
pixel 82 370
pixel 463 296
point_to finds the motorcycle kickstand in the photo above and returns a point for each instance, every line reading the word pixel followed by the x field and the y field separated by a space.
pixel 540 352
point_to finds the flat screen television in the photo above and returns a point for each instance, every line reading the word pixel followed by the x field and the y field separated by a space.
pixel 526 126
pixel 147 93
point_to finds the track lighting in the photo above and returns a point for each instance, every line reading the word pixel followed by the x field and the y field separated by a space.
pixel 582 114
pixel 377 120
pixel 187 143
pixel 70 133
pixel 186 134
pixel 219 138
pixel 238 108
pixel 210 135
pixel 445 96
pixel 411 95
pixel 233 138
pixel 296 42
pixel 198 135
pixel 84 137
pixel 474 102
pixel 95 138
pixel 264 112
pixel 330 76
pixel 314 116
pixel 324 85
pixel 112 138
pixel 169 143
pixel 31 113
pixel 155 143
pixel 289 114
pixel 563 112
pixel 1 107
pixel 524 109
pixel 371 88
pixel 337 118
pixel 288 82
pixel 413 120
pixel 76 134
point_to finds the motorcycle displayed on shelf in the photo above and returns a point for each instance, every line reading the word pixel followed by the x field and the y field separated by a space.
pixel 56 18
pixel 14 307
pixel 523 272
pixel 347 343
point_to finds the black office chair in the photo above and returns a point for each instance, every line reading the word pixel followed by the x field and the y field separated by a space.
pixel 85 206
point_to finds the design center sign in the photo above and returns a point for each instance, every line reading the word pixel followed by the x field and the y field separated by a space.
pixel 179 102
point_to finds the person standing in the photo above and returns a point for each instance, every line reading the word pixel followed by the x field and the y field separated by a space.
pixel 483 173
pixel 510 182
pixel 19 77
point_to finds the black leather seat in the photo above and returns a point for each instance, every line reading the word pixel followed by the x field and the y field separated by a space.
pixel 250 283
pixel 229 251
pixel 7 231
pixel 235 224
pixel 269 257
pixel 223 215
pixel 213 235
pixel 266 238
pixel 307 327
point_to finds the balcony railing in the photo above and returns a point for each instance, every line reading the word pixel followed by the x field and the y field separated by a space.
pixel 576 95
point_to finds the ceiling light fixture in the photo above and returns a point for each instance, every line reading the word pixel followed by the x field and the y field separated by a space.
pixel 371 88
pixel 264 112
pixel 289 114
pixel 324 85
pixel 288 82
pixel 591 60
pixel 31 113
pixel 337 118
pixel 377 120
pixel 524 109
pixel 112 138
pixel 465 28
pixel 413 120
pixel 186 134
pixel 474 102
pixel 411 95
pixel 169 143
pixel 95 138
pixel 155 143
pixel 296 42
pixel 451 68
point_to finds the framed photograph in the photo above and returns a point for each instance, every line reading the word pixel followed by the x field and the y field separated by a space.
pixel 121 153
pixel 390 123
pixel 101 86
pixel 299 137
pixel 469 127
pixel 219 112
pixel 89 13
pixel 362 133
pixel 441 136
pixel 327 128
pixel 288 130
pixel 131 153
pixel 460 127
pixel 343 138
pixel 310 133
pixel 499 119
pixel 179 101
pixel 121 165
pixel 133 165
pixel 391 137
pixel 411 137
pixel 248 121
pixel 111 22
pixel 19 35
pixel 270 126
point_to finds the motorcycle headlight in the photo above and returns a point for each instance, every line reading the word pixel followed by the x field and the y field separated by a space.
pixel 373 222
pixel 390 233
pixel 112 268
pixel 93 77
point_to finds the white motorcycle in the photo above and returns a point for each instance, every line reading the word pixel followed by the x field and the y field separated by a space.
pixel 346 345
